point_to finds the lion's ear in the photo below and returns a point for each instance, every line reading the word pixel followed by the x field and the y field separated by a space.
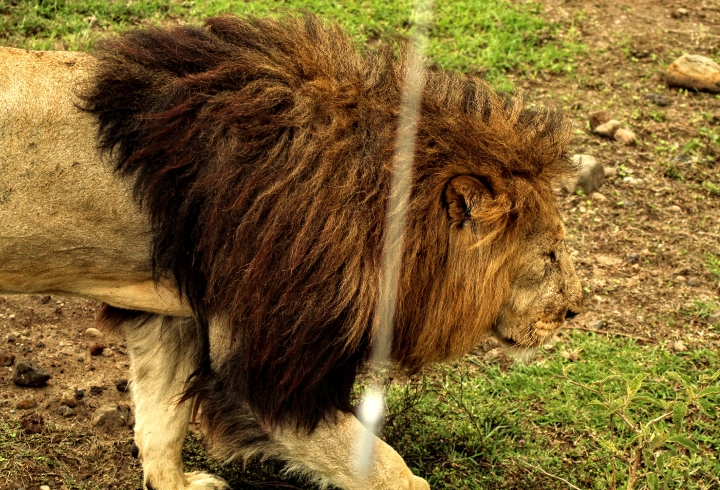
pixel 463 195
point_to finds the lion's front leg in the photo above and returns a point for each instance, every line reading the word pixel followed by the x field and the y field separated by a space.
pixel 329 455
pixel 162 350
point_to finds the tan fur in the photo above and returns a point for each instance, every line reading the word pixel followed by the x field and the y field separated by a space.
pixel 69 225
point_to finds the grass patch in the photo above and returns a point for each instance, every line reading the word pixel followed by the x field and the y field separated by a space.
pixel 485 428
pixel 496 38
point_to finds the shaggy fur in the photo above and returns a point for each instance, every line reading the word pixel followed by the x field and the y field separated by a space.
pixel 262 150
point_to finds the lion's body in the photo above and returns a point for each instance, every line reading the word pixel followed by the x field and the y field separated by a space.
pixel 68 223
pixel 250 162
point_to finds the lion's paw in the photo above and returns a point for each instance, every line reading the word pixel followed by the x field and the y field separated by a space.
pixel 203 481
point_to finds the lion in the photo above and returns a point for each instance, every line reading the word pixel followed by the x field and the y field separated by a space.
pixel 222 190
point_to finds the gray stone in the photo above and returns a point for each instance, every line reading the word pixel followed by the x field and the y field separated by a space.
pixel 68 399
pixel 624 136
pixel 26 403
pixel 595 324
pixel 6 358
pixel 589 178
pixel 610 172
pixel 694 72
pixel 608 129
pixel 93 332
pixel 597 118
pixel 111 416
pixel 28 373
pixel 66 411
pixel 657 99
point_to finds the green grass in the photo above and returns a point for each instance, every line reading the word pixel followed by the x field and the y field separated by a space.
pixel 496 38
pixel 479 427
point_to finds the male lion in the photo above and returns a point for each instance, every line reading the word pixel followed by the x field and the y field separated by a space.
pixel 223 190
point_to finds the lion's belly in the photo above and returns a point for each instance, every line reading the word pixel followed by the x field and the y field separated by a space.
pixel 68 224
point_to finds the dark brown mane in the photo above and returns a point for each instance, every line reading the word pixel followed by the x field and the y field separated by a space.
pixel 262 150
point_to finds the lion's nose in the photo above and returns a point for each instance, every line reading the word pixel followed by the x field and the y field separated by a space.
pixel 570 314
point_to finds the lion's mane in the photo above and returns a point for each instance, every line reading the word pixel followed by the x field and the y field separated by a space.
pixel 262 150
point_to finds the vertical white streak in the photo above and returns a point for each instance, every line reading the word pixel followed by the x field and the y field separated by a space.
pixel 372 406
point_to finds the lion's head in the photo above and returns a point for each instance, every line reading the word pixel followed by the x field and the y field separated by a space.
pixel 262 150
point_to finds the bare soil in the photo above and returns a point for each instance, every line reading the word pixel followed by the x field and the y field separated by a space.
pixel 640 244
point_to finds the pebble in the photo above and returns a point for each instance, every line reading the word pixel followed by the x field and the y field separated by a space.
pixel 625 136
pixel 66 411
pixel 6 358
pixel 595 324
pixel 597 118
pixel 674 208
pixel 26 403
pixel 68 399
pixel 679 13
pixel 28 373
pixel 44 487
pixel 608 129
pixel 694 72
pixel 32 423
pixel 657 99
pixel 589 178
pixel 693 282
pixel 96 390
pixel 111 416
pixel 679 346
pixel 610 172
pixel 632 258
pixel 596 196
pixel 93 332
pixel 680 278
pixel 122 385
pixel 97 349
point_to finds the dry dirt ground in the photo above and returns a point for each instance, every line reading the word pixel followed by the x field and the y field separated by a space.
pixel 640 245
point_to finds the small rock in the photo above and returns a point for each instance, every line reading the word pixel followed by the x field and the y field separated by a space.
pixel 44 487
pixel 674 208
pixel 97 349
pixel 93 332
pixel 679 13
pixel 595 324
pixel 597 118
pixel 40 345
pixel 625 136
pixel 26 403
pixel 66 411
pixel 679 346
pixel 32 423
pixel 79 394
pixel 28 373
pixel 6 358
pixel 122 385
pixel 68 399
pixel 111 416
pixel 610 172
pixel 596 196
pixel 693 282
pixel 608 129
pixel 45 299
pixel 657 99
pixel 632 258
pixel 694 72
pixel 96 390
pixel 680 278
pixel 589 178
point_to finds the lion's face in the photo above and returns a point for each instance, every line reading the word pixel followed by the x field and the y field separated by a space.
pixel 544 291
